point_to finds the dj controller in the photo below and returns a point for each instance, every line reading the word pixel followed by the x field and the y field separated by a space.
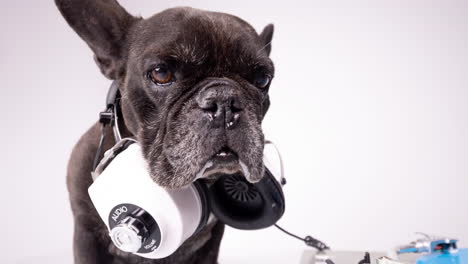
pixel 426 250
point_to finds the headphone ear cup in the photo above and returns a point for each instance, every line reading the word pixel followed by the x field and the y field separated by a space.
pixel 272 192
pixel 275 189
pixel 243 205
pixel 202 190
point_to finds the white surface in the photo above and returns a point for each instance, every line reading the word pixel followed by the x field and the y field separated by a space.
pixel 310 256
pixel 339 257
pixel 369 108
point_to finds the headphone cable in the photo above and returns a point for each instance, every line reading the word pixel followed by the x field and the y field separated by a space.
pixel 308 240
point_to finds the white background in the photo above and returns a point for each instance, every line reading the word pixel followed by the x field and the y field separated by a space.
pixel 369 108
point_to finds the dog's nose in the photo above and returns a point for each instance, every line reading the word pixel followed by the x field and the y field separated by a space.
pixel 222 106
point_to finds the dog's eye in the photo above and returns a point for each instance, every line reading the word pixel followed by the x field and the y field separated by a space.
pixel 161 75
pixel 261 80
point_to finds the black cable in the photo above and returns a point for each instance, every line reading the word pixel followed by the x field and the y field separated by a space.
pixel 99 149
pixel 291 234
pixel 308 240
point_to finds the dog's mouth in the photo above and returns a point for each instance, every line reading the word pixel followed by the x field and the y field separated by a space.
pixel 225 155
pixel 225 161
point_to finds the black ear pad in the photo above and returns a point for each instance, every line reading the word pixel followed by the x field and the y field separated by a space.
pixel 202 190
pixel 243 205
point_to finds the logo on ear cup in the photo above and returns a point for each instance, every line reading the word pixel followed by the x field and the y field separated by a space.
pixel 141 222
pixel 117 212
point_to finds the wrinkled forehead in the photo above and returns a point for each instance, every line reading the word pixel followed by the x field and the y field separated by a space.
pixel 194 37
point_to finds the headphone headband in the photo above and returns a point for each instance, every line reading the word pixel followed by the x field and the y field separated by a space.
pixel 109 116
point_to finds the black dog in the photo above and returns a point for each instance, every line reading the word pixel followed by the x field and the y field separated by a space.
pixel 194 84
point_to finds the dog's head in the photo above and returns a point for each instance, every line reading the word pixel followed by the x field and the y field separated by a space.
pixel 194 85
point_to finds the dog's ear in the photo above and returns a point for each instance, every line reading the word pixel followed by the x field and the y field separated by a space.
pixel 103 25
pixel 266 36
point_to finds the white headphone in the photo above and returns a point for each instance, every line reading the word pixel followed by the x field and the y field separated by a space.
pixel 150 221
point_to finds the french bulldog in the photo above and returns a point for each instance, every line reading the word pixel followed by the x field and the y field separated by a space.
pixel 194 89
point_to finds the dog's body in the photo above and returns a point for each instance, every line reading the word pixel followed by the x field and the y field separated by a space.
pixel 192 83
